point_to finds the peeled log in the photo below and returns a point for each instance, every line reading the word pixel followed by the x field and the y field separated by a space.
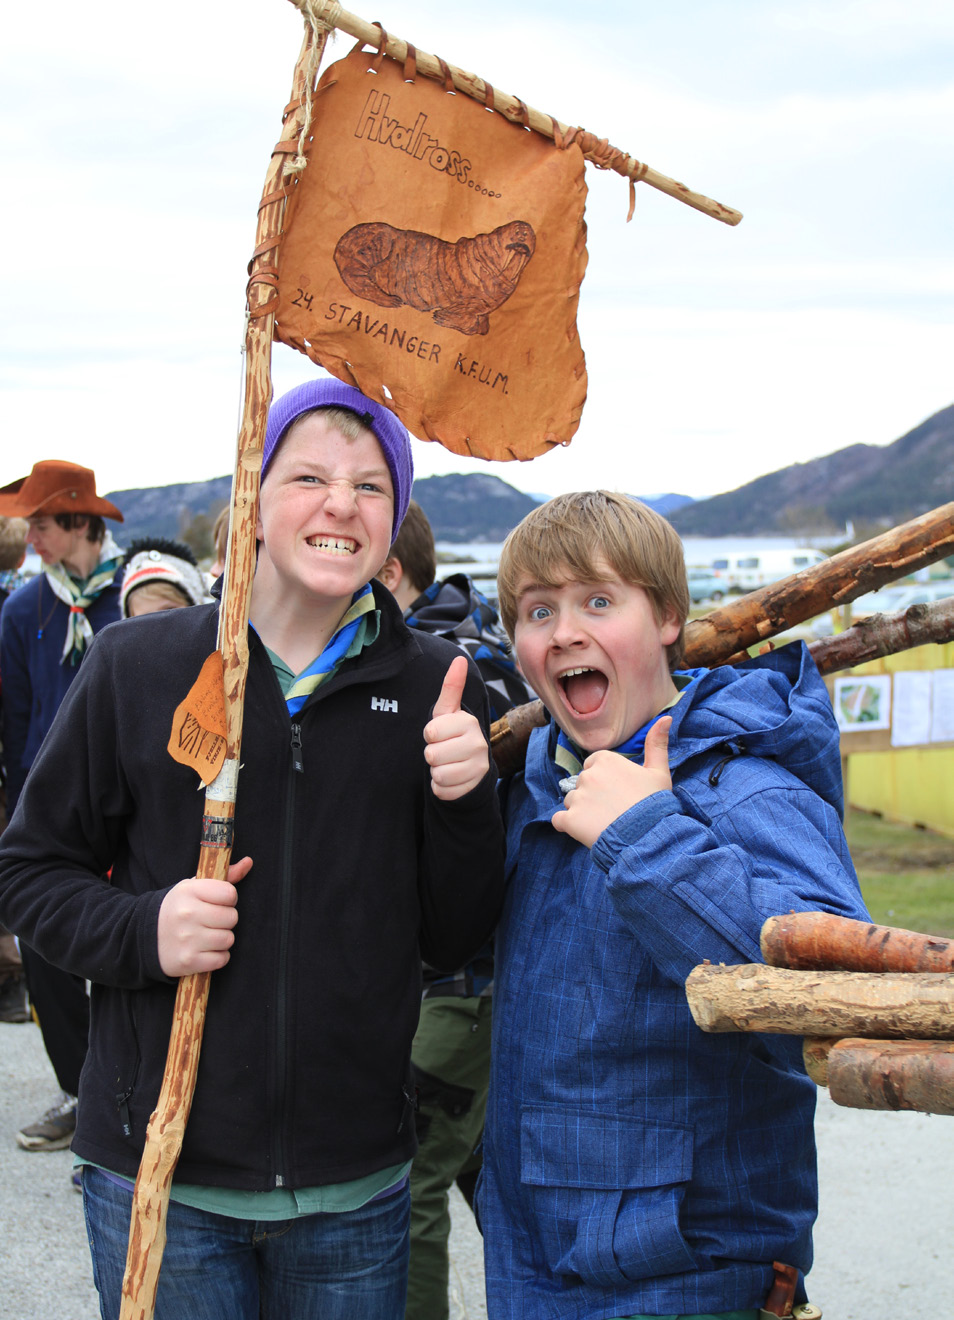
pixel 815 1052
pixel 775 999
pixel 819 940
pixel 886 1074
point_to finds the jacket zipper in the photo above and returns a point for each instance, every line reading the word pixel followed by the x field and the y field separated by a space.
pixel 297 759
pixel 281 1007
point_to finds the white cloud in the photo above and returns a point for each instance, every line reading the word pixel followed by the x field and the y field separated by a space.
pixel 137 142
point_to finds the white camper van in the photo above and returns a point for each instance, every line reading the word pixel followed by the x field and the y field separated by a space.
pixel 757 567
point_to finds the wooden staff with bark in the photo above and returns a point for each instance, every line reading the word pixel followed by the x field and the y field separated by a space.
pixel 720 637
pixel 166 1128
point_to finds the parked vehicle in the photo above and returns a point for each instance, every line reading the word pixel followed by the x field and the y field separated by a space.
pixel 759 567
pixel 704 586
pixel 898 596
pixel 888 600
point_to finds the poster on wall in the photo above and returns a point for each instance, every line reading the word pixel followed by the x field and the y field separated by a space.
pixel 863 704
pixel 942 706
pixel 912 709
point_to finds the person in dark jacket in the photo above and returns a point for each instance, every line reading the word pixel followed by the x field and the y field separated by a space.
pixel 451 1050
pixel 45 629
pixel 367 834
pixel 635 1166
pixel 13 998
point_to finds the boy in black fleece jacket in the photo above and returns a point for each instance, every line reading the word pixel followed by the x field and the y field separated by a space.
pixel 365 802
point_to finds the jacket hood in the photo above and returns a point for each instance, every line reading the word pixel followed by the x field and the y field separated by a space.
pixel 455 605
pixel 774 706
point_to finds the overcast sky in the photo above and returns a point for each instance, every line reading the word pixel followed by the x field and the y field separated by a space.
pixel 135 141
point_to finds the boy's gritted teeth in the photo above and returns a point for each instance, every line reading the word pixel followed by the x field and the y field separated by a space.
pixel 335 544
pixel 584 689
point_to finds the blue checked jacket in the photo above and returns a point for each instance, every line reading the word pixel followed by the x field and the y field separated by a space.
pixel 632 1163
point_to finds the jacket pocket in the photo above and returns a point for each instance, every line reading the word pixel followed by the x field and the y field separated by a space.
pixel 606 1192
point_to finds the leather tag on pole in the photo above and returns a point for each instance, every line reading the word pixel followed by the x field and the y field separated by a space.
pixel 199 732
pixel 432 255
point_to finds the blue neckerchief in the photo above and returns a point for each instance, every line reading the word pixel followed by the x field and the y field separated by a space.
pixel 570 758
pixel 336 647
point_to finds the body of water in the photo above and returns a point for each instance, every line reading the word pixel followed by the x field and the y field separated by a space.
pixel 700 550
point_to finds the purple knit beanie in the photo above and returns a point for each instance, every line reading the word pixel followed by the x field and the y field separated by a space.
pixel 330 393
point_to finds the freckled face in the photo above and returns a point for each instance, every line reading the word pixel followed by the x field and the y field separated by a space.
pixel 325 512
pixel 595 653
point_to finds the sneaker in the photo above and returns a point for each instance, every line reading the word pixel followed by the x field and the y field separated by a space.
pixel 13 1000
pixel 54 1130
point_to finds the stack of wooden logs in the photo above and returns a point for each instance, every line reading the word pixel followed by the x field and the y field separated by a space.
pixel 875 1005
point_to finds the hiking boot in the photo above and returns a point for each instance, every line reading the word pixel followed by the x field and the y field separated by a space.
pixel 13 1000
pixel 54 1130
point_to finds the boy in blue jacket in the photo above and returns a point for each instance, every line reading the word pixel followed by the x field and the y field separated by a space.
pixel 634 1166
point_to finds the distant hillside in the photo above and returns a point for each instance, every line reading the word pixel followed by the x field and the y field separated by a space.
pixel 665 504
pixel 471 507
pixel 879 485
pixel 167 510
pixel 475 507
pixel 865 484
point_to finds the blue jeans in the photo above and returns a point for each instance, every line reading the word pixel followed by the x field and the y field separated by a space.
pixel 316 1267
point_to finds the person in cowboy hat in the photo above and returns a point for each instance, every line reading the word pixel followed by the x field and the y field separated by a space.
pixel 45 628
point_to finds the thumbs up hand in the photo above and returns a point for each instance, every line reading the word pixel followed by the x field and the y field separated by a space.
pixel 456 748
pixel 609 784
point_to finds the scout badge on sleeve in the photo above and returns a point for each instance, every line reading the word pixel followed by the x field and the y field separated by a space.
pixel 431 253
pixel 436 251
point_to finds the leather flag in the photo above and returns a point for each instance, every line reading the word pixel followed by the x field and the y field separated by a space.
pixel 432 255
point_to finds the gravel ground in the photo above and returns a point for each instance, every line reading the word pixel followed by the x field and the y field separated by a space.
pixel 882 1241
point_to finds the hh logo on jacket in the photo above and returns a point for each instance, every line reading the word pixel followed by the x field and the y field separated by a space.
pixel 382 703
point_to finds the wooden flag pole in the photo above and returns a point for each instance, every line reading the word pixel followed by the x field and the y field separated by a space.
pixel 595 149
pixel 164 1136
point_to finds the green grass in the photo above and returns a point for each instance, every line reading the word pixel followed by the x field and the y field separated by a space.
pixel 906 874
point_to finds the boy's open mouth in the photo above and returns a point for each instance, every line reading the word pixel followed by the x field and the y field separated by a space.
pixel 334 544
pixel 584 689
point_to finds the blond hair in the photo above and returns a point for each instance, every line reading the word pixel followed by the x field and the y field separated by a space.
pixel 13 540
pixel 573 535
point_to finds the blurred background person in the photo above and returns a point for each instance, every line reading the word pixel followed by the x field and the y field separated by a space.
pixel 220 541
pixel 159 575
pixel 45 629
pixel 13 999
pixel 450 1055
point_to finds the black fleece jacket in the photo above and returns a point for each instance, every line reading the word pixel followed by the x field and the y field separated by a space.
pixel 359 871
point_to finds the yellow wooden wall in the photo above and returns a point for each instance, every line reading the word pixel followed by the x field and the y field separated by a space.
pixel 910 784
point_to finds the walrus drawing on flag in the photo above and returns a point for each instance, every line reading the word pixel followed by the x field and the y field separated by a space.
pixel 460 283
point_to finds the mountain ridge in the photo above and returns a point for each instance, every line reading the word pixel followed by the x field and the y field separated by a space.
pixel 860 485
pixel 871 485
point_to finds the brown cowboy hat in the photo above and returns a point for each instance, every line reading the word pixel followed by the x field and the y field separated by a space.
pixel 55 487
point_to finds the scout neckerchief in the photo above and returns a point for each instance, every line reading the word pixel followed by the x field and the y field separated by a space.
pixel 320 670
pixel 570 758
pixel 80 595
